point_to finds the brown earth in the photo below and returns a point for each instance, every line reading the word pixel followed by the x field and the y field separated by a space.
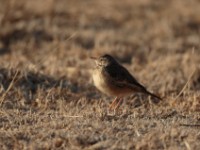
pixel 47 99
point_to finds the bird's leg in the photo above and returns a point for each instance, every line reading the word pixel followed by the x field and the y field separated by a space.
pixel 113 103
pixel 118 104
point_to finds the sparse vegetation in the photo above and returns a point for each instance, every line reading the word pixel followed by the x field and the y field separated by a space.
pixel 47 99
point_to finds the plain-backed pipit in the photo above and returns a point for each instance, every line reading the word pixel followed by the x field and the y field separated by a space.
pixel 113 79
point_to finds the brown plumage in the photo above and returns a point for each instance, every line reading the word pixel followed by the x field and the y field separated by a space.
pixel 113 79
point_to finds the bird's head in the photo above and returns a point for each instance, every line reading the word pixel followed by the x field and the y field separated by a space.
pixel 104 60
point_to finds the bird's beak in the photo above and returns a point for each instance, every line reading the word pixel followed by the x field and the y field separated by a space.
pixel 94 58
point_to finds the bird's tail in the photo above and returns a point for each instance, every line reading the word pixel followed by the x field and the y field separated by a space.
pixel 157 98
pixel 142 89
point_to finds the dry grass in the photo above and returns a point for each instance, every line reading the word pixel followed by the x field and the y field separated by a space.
pixel 47 97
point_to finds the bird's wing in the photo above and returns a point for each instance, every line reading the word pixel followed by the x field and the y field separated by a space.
pixel 122 77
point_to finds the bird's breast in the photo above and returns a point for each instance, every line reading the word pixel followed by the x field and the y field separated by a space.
pixel 102 83
pixel 99 81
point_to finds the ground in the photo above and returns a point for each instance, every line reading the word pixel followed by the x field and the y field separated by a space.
pixel 47 97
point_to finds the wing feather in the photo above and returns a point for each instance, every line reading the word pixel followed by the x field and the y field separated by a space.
pixel 122 77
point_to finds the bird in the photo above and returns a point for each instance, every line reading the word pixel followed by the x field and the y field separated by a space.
pixel 112 79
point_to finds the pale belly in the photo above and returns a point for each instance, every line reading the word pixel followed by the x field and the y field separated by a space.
pixel 100 83
pixel 108 88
